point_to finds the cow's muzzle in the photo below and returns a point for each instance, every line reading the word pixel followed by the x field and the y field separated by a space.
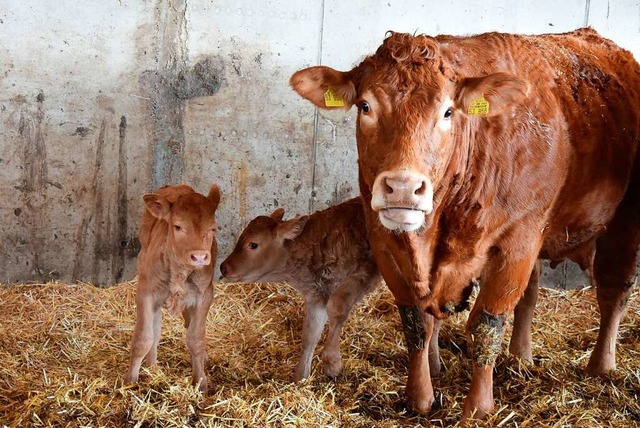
pixel 402 199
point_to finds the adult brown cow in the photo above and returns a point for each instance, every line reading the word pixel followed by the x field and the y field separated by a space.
pixel 477 155
pixel 175 268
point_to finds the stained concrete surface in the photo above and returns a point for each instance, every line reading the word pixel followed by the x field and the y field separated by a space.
pixel 102 103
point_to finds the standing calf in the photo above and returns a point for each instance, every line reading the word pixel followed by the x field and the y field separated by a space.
pixel 325 256
pixel 175 268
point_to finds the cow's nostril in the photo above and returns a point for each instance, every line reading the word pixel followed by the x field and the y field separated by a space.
pixel 223 270
pixel 422 189
pixel 387 187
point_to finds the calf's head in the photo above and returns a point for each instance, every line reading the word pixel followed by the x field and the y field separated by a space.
pixel 414 112
pixel 260 253
pixel 191 224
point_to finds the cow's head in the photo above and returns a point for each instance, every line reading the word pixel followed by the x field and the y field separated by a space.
pixel 260 253
pixel 191 224
pixel 414 111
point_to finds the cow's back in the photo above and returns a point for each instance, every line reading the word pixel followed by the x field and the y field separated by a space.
pixel 580 127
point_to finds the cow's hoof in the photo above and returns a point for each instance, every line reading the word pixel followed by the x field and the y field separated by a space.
pixel 599 368
pixel 476 409
pixel 420 406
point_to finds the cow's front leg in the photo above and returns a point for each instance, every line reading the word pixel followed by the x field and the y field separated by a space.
pixel 418 328
pixel 503 284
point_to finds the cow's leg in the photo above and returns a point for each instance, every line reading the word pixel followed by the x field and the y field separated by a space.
pixel 339 306
pixel 434 350
pixel 152 357
pixel 314 320
pixel 418 328
pixel 615 274
pixel 143 333
pixel 520 344
pixel 503 283
pixel 196 337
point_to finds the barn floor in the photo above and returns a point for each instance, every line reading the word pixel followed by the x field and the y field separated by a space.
pixel 64 350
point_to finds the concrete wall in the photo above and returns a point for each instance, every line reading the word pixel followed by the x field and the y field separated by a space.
pixel 103 101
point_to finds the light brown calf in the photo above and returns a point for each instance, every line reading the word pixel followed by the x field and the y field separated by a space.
pixel 175 268
pixel 325 256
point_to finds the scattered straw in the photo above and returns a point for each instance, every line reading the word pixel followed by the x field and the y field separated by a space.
pixel 64 350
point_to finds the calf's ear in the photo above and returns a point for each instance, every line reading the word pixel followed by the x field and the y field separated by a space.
pixel 214 196
pixel 277 214
pixel 291 229
pixel 157 205
pixel 325 87
pixel 490 95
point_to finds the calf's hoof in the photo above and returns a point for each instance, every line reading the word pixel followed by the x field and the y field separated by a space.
pixel 130 379
pixel 201 384
pixel 332 366
pixel 300 375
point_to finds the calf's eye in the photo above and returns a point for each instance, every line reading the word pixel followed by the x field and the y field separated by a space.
pixel 364 107
pixel 253 245
pixel 177 228
pixel 448 113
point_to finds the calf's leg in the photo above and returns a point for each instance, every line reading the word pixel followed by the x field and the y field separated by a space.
pixel 340 304
pixel 615 274
pixel 314 321
pixel 196 336
pixel 152 356
pixel 143 337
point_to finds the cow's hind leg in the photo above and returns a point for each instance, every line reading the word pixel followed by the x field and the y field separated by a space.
pixel 615 274
pixel 520 344
pixel 314 321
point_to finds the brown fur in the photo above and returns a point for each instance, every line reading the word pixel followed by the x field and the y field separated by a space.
pixel 553 171
pixel 325 256
pixel 175 268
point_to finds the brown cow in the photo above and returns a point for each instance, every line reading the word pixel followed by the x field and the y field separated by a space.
pixel 175 267
pixel 325 256
pixel 477 155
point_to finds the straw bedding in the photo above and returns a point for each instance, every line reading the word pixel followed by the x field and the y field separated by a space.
pixel 64 350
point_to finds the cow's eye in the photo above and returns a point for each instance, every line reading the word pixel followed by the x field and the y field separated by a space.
pixel 448 113
pixel 253 245
pixel 177 227
pixel 364 107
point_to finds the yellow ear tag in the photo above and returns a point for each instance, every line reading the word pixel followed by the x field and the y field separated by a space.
pixel 479 106
pixel 332 100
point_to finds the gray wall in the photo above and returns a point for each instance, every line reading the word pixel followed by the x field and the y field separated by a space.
pixel 102 101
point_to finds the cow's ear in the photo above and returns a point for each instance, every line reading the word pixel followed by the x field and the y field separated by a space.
pixel 325 87
pixel 277 214
pixel 214 196
pixel 490 95
pixel 291 229
pixel 157 205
